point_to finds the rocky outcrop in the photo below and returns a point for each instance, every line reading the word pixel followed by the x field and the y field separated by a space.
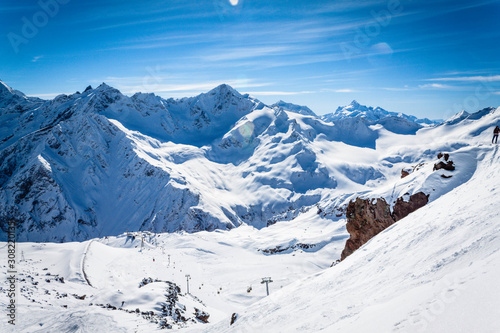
pixel 408 171
pixel 368 217
pixel 403 208
pixel 447 164
pixel 365 219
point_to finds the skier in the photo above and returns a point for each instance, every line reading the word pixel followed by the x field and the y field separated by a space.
pixel 496 131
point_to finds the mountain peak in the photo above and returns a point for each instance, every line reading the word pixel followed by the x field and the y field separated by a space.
pixel 300 109
pixel 7 92
pixel 371 114
pixel 106 89
pixel 224 89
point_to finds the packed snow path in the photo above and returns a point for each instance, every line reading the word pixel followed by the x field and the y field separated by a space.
pixel 84 257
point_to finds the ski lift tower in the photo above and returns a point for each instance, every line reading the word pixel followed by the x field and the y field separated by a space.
pixel 266 280
pixel 188 277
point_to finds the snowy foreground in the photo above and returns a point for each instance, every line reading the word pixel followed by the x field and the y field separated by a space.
pixel 437 270
pixel 222 266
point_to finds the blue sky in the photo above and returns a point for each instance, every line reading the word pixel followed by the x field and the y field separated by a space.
pixel 427 58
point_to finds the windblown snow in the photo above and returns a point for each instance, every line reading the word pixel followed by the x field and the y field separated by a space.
pixel 122 202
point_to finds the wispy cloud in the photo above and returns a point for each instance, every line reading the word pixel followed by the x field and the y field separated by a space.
pixel 434 86
pixel 48 95
pixel 36 58
pixel 278 93
pixel 193 16
pixel 248 52
pixel 406 88
pixel 475 78
pixel 342 91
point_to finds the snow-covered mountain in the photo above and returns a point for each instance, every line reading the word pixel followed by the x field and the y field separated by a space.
pixel 127 171
pixel 81 165
pixel 398 122
pixel 100 163
pixel 300 109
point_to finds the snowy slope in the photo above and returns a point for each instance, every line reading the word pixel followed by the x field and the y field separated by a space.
pixel 79 142
pixel 100 163
pixel 223 265
pixel 435 271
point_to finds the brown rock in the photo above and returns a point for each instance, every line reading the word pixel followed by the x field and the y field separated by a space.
pixel 366 218
pixel 403 208
pixel 404 173
pixel 442 165
pixel 201 315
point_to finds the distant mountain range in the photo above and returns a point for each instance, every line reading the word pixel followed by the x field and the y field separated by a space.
pixel 100 163
pixel 355 110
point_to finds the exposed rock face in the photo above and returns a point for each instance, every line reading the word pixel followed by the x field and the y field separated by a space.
pixel 367 217
pixel 403 208
pixel 442 165
pixel 447 164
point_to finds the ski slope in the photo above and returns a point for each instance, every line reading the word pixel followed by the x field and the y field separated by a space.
pixel 222 266
pixel 436 270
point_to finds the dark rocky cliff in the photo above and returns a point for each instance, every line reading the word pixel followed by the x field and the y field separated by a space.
pixel 368 217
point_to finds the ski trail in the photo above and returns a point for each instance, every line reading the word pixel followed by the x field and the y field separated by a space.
pixel 82 265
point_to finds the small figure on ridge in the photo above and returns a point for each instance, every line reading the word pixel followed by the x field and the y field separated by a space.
pixel 496 131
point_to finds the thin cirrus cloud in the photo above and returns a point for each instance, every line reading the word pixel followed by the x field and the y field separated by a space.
pixel 278 93
pixel 473 78
pixel 36 58
pixel 248 52
pixel 341 91
pixel 434 86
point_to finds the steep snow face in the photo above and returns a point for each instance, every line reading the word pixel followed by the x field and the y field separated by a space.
pixel 96 177
pixel 300 109
pixel 7 92
pixel 195 121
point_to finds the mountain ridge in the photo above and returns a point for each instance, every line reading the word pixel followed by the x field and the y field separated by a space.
pixel 101 163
